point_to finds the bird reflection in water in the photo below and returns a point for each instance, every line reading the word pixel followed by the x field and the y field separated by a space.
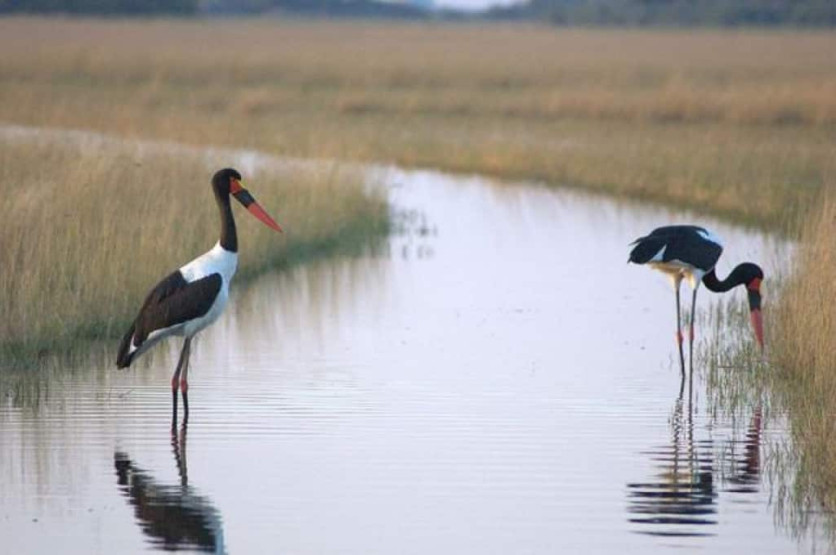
pixel 682 498
pixel 746 471
pixel 174 517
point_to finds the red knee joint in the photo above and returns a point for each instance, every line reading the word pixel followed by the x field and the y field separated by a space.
pixel 679 338
pixel 184 386
pixel 174 383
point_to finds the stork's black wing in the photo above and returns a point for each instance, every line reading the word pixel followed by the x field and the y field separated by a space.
pixel 685 243
pixel 173 301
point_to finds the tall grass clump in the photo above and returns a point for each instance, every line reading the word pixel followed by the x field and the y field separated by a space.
pixel 88 229
pixel 806 336
pixel 804 353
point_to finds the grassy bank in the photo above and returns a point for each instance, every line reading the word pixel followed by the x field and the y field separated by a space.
pixel 739 123
pixel 805 360
pixel 89 228
pixel 795 380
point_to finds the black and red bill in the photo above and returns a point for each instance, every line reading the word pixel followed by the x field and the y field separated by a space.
pixel 243 196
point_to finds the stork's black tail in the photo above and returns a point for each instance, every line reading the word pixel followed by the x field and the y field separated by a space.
pixel 645 249
pixel 125 357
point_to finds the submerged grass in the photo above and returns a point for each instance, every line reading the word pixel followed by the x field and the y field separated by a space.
pixel 796 382
pixel 88 229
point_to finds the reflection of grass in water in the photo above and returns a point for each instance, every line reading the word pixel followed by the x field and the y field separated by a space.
pixel 89 229
pixel 738 381
pixel 49 376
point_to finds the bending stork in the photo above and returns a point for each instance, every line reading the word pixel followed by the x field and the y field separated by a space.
pixel 691 252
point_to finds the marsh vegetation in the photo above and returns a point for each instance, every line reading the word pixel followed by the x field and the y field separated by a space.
pixel 90 226
pixel 803 375
pixel 732 122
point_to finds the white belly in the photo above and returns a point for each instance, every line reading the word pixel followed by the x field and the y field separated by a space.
pixel 216 261
pixel 678 270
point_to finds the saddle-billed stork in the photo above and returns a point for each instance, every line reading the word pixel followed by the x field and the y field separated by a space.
pixel 191 298
pixel 691 252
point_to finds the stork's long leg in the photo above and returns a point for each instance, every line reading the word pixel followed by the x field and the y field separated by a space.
pixel 676 283
pixel 691 330
pixel 182 363
pixel 184 382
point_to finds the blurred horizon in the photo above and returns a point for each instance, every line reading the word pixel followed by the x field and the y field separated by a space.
pixel 612 13
pixel 474 5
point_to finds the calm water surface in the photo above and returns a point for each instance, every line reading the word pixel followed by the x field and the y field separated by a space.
pixel 494 378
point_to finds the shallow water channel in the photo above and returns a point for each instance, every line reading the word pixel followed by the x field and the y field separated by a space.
pixel 493 378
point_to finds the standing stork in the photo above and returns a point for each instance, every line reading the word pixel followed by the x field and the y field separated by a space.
pixel 191 298
pixel 691 252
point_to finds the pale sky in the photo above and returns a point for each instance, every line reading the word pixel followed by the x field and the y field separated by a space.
pixel 473 4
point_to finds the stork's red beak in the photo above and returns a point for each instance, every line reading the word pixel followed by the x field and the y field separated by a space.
pixel 753 289
pixel 243 196
pixel 757 325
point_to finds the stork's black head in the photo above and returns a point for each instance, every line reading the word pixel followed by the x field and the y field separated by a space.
pixel 748 272
pixel 228 182
pixel 751 276
pixel 223 179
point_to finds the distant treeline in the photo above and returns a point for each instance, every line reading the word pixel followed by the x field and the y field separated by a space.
pixel 355 8
pixel 675 12
pixel 336 8
pixel 101 7
pixel 821 13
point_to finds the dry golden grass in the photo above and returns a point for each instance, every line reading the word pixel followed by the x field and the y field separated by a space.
pixel 88 229
pixel 735 122
pixel 809 325
pixel 805 359
pixel 505 71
